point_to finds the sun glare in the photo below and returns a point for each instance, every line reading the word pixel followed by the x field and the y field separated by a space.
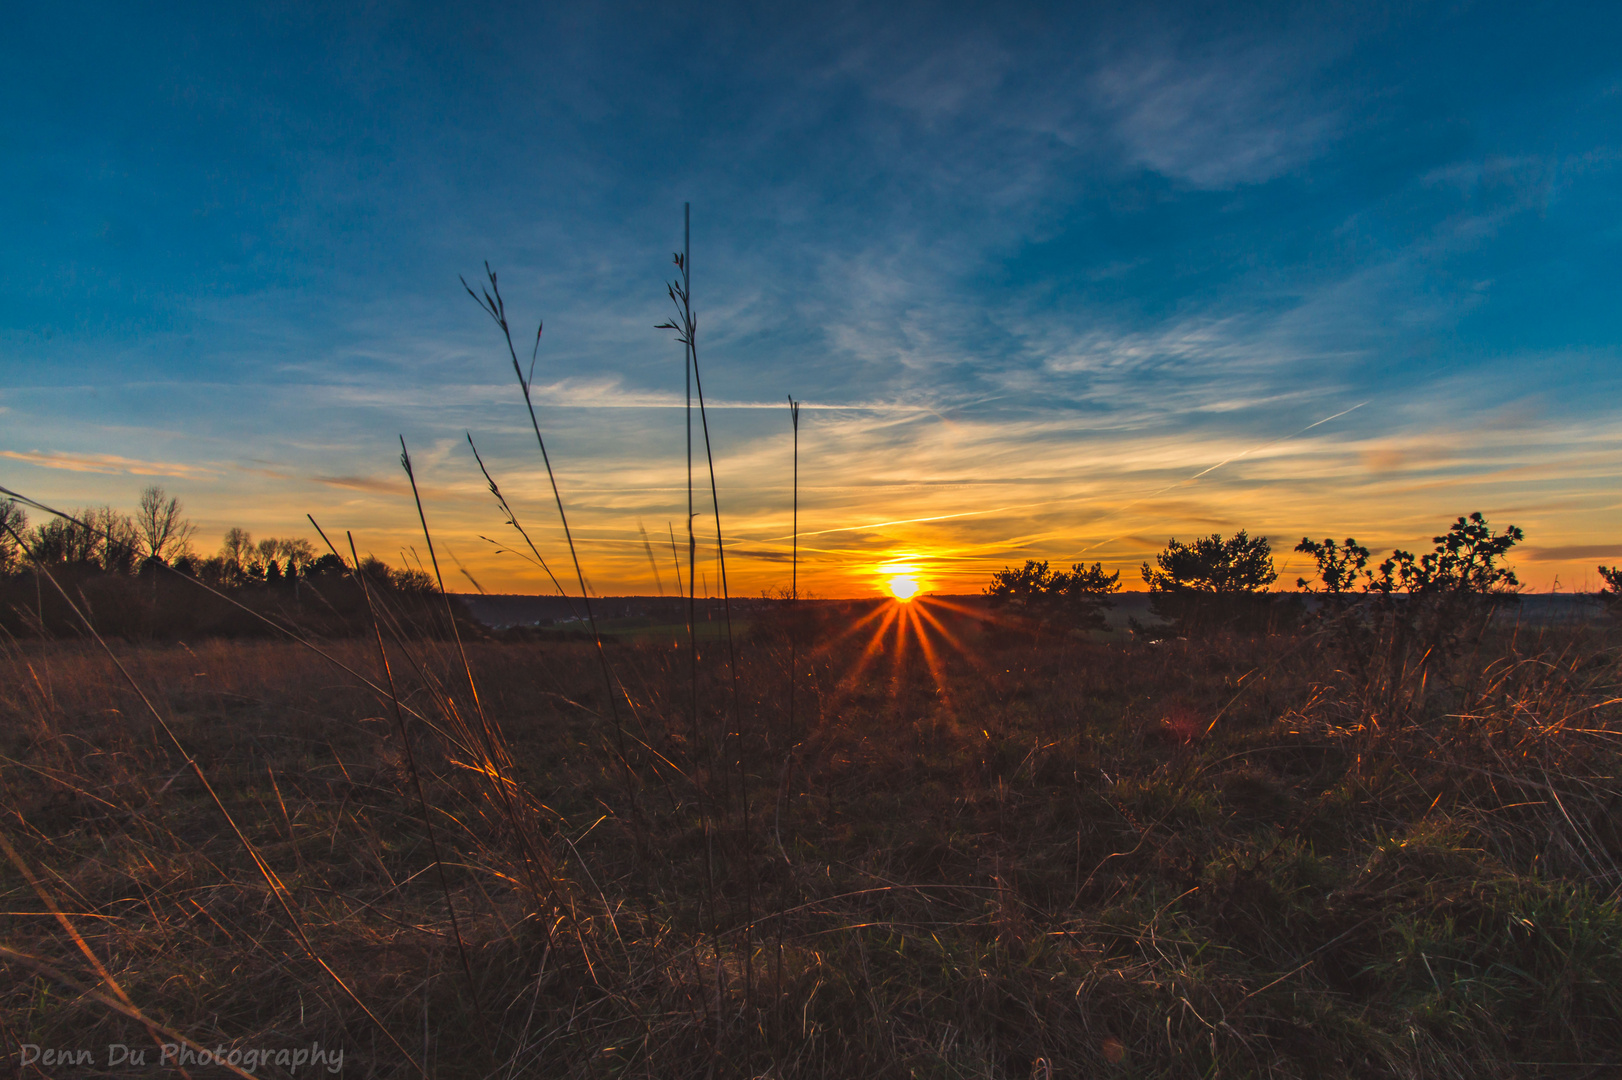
pixel 904 587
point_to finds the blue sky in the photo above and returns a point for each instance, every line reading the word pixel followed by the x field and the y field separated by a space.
pixel 1035 270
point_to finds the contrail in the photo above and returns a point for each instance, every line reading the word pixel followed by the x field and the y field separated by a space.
pixel 1050 502
pixel 1213 468
pixel 902 521
pixel 1263 446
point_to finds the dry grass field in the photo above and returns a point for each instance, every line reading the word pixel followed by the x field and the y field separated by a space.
pixel 964 849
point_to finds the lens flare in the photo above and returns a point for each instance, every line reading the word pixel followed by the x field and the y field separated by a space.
pixel 904 587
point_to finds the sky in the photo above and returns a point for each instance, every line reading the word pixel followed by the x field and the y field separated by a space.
pixel 1053 281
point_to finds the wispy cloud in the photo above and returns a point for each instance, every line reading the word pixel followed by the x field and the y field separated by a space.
pixel 1217 113
pixel 565 394
pixel 107 464
pixel 1572 552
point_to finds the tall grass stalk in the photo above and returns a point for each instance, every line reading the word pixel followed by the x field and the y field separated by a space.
pixel 653 564
pixel 491 303
pixel 512 519
pixel 687 333
pixel 492 742
pixel 793 665
pixel 676 558
pixel 794 565
pixel 681 296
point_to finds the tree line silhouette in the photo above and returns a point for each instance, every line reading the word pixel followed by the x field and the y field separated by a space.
pixel 1207 584
pixel 129 569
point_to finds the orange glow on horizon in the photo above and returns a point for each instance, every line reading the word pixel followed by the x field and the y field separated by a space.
pixel 903 587
pixel 945 507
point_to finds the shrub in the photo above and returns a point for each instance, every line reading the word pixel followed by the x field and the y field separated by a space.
pixel 1213 582
pixel 1213 565
pixel 1465 562
pixel 1074 600
pixel 1613 580
pixel 1450 593
pixel 1339 565
pixel 1419 612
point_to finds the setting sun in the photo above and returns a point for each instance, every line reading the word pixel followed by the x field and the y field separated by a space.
pixel 903 587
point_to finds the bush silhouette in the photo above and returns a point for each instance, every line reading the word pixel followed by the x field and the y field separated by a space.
pixel 1465 562
pixel 1417 613
pixel 1339 565
pixel 1213 582
pixel 1612 594
pixel 1074 600
pixel 1213 565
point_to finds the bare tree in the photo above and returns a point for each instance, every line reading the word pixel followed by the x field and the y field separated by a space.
pixel 12 520
pixel 98 537
pixel 65 540
pixel 118 539
pixel 164 533
pixel 238 546
pixel 296 553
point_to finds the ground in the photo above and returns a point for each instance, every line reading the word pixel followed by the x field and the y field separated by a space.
pixel 957 847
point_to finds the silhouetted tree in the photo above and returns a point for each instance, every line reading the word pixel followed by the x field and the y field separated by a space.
pixel 295 553
pixel 237 546
pixel 1420 611
pixel 327 566
pixel 164 533
pixel 405 581
pixel 1213 565
pixel 1339 565
pixel 1076 599
pixel 1212 582
pixel 1019 590
pixel 99 538
pixel 1465 561
pixel 64 541
pixel 1613 580
pixel 13 524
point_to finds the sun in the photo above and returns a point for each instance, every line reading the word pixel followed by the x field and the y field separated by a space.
pixel 903 587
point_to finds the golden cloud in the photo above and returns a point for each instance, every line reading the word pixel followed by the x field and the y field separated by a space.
pixel 107 464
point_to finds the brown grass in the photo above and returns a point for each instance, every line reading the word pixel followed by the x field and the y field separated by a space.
pixel 1028 858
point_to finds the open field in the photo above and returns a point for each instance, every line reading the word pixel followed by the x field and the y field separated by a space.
pixel 966 850
pixel 1148 598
